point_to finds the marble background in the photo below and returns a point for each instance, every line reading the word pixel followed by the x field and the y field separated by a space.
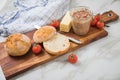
pixel 99 60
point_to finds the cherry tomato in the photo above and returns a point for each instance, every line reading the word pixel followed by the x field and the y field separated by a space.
pixel 100 24
pixel 97 17
pixel 94 21
pixel 55 23
pixel 72 58
pixel 36 49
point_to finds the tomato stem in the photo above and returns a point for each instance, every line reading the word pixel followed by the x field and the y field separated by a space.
pixel 72 56
pixel 35 44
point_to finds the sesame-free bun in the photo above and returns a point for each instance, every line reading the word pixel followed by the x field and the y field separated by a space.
pixel 17 44
pixel 43 34
pixel 59 44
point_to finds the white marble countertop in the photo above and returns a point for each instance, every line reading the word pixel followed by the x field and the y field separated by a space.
pixel 99 60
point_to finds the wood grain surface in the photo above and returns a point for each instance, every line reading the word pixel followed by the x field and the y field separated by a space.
pixel 14 65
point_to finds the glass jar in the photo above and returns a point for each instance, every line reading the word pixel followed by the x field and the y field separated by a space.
pixel 81 19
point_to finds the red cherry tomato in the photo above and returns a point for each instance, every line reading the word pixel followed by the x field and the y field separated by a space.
pixel 100 24
pixel 54 23
pixel 97 17
pixel 72 58
pixel 94 21
pixel 36 49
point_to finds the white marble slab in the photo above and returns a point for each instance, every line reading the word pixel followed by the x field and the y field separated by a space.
pixel 99 60
pixel 2 77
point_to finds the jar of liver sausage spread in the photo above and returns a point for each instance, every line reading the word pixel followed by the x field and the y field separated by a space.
pixel 81 19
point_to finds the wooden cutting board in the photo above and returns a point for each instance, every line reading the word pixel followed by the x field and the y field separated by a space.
pixel 14 65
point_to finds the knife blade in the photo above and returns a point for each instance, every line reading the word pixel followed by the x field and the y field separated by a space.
pixel 74 40
pixel 2 76
pixel 70 38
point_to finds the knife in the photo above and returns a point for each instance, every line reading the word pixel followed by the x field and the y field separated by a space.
pixel 2 77
pixel 70 38
pixel 74 40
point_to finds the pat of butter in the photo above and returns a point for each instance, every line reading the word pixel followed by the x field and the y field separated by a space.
pixel 65 24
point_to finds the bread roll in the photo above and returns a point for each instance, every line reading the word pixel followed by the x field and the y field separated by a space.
pixel 59 44
pixel 17 44
pixel 44 34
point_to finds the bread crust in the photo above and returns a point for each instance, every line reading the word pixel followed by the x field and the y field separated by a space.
pixel 17 44
pixel 57 53
pixel 44 34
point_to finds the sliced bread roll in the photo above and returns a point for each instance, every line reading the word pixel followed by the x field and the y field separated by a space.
pixel 44 34
pixel 57 45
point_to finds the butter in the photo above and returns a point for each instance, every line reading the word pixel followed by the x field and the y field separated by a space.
pixel 65 24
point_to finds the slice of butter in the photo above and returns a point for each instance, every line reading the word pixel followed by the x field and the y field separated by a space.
pixel 65 24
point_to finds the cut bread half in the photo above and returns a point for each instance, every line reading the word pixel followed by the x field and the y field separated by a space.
pixel 44 34
pixel 59 44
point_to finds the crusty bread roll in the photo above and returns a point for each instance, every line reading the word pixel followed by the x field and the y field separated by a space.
pixel 44 34
pixel 17 44
pixel 59 44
